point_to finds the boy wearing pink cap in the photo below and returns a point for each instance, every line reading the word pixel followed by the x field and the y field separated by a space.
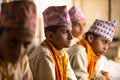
pixel 78 23
pixel 49 61
pixel 84 55
pixel 17 30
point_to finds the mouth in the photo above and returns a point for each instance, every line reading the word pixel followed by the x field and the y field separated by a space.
pixel 70 41
pixel 15 59
pixel 102 53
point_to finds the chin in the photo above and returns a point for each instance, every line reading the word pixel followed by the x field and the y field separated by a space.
pixel 98 54
pixel 67 46
pixel 15 61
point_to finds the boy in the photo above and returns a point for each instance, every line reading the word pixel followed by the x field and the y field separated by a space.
pixel 49 61
pixel 78 23
pixel 84 55
pixel 17 29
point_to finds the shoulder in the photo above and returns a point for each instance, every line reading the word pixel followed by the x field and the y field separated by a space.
pixel 76 49
pixel 40 55
pixel 40 51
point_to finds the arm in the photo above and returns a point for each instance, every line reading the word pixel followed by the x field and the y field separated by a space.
pixel 71 74
pixel 42 65
pixel 79 62
pixel 101 69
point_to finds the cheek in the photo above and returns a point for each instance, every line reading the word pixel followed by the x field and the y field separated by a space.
pixel 78 29
pixel 98 48
pixel 61 40
pixel 84 30
pixel 6 52
pixel 95 46
pixel 56 39
pixel 75 32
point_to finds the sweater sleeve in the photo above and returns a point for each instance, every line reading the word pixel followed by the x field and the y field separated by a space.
pixel 71 74
pixel 42 65
pixel 79 61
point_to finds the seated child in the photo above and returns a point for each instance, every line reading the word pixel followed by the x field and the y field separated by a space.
pixel 78 23
pixel 49 61
pixel 84 55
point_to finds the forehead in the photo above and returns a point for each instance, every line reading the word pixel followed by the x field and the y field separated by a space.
pixel 103 38
pixel 20 34
pixel 65 27
pixel 79 21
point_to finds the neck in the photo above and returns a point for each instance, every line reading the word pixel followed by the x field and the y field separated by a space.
pixel 56 47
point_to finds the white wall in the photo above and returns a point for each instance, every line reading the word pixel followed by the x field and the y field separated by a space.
pixel 94 9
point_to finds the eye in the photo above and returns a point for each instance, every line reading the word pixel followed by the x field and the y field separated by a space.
pixel 65 31
pixel 104 41
pixel 76 24
pixel 27 44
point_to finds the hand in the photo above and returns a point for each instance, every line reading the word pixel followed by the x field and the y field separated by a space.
pixel 104 73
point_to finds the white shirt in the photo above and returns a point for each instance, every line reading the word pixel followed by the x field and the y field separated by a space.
pixel 43 67
pixel 19 72
pixel 79 62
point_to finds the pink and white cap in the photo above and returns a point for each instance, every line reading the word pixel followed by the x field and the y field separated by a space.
pixel 56 15
pixel 104 28
pixel 18 14
pixel 76 13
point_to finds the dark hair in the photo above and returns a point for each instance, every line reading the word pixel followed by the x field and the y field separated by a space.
pixel 51 28
pixel 90 33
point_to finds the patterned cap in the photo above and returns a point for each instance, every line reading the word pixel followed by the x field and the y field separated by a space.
pixel 56 15
pixel 104 28
pixel 18 14
pixel 76 13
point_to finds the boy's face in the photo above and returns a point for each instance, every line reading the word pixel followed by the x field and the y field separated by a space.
pixel 14 44
pixel 62 37
pixel 100 45
pixel 78 28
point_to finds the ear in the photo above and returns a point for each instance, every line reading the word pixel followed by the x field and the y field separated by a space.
pixel 90 38
pixel 49 35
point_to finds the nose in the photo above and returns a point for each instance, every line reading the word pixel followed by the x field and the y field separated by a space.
pixel 81 28
pixel 106 47
pixel 70 36
pixel 20 50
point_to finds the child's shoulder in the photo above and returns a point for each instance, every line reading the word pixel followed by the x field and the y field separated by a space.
pixel 77 47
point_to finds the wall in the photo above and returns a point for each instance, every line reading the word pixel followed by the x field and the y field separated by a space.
pixel 94 9
pixel 115 14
